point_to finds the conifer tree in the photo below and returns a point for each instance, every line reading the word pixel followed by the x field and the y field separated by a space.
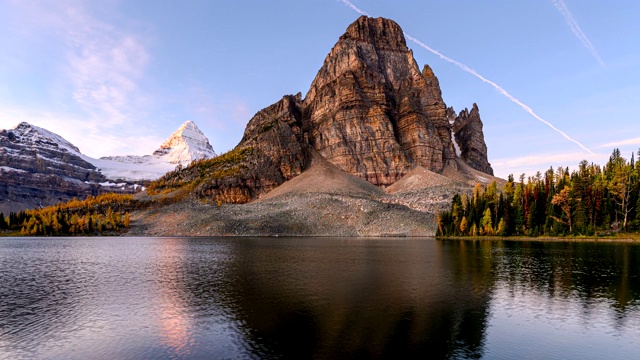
pixel 487 226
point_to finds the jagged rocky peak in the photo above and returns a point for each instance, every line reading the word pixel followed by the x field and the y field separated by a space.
pixel 370 109
pixel 36 136
pixel 36 150
pixel 467 128
pixel 39 168
pixel 186 144
pixel 379 31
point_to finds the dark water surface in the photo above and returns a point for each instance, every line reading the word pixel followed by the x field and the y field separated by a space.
pixel 210 298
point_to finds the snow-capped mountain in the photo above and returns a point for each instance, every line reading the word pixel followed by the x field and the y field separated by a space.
pixel 186 144
pixel 38 137
pixel 40 168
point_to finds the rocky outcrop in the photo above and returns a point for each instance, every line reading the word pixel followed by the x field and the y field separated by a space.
pixel 372 112
pixel 21 190
pixel 467 128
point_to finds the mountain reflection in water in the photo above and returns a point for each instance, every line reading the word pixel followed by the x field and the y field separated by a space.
pixel 323 298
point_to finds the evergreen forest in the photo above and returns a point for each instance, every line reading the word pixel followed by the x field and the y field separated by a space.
pixel 591 200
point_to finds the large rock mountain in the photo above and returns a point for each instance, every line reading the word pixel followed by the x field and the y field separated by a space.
pixel 40 168
pixel 370 111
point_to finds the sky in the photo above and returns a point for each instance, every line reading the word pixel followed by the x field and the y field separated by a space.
pixel 556 81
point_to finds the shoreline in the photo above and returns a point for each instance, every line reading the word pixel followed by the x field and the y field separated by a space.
pixel 629 239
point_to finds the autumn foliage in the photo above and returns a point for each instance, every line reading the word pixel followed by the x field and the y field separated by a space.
pixel 107 213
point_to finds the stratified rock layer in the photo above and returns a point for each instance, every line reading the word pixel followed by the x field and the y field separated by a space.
pixel 372 112
pixel 467 128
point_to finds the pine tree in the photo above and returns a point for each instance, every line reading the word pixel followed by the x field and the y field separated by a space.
pixel 502 228
pixel 487 226
pixel 463 225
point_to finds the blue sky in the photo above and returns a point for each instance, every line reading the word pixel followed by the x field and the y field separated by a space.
pixel 118 77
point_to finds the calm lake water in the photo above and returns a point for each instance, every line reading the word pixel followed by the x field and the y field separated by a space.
pixel 210 298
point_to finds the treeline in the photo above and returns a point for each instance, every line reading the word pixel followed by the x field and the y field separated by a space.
pixel 94 215
pixel 188 178
pixel 591 200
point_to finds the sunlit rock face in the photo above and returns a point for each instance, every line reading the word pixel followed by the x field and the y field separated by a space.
pixel 371 110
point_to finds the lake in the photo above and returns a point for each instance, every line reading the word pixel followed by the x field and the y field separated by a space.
pixel 210 298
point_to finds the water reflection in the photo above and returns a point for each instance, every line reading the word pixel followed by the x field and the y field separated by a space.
pixel 175 325
pixel 359 298
pixel 321 298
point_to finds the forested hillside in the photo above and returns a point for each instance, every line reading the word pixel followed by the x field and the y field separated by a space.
pixel 591 200
pixel 106 213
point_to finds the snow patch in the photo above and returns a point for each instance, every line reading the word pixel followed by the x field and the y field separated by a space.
pixel 185 145
pixel 455 145
pixel 10 169
pixel 131 171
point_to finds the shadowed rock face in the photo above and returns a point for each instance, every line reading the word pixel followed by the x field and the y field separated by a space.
pixel 468 134
pixel 372 112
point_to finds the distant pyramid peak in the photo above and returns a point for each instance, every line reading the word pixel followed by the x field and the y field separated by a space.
pixel 186 144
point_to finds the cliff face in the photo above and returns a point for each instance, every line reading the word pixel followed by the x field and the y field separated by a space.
pixel 467 128
pixel 370 111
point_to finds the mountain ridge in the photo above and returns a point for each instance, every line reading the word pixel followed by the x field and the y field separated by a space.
pixel 39 167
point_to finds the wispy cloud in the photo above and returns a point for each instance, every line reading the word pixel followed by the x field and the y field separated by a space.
pixel 561 6
pixel 103 62
pixel 530 164
pixel 627 142
pixel 483 79
pixel 98 102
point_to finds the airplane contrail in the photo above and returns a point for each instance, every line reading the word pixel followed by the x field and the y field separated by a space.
pixel 575 28
pixel 482 78
pixel 353 7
